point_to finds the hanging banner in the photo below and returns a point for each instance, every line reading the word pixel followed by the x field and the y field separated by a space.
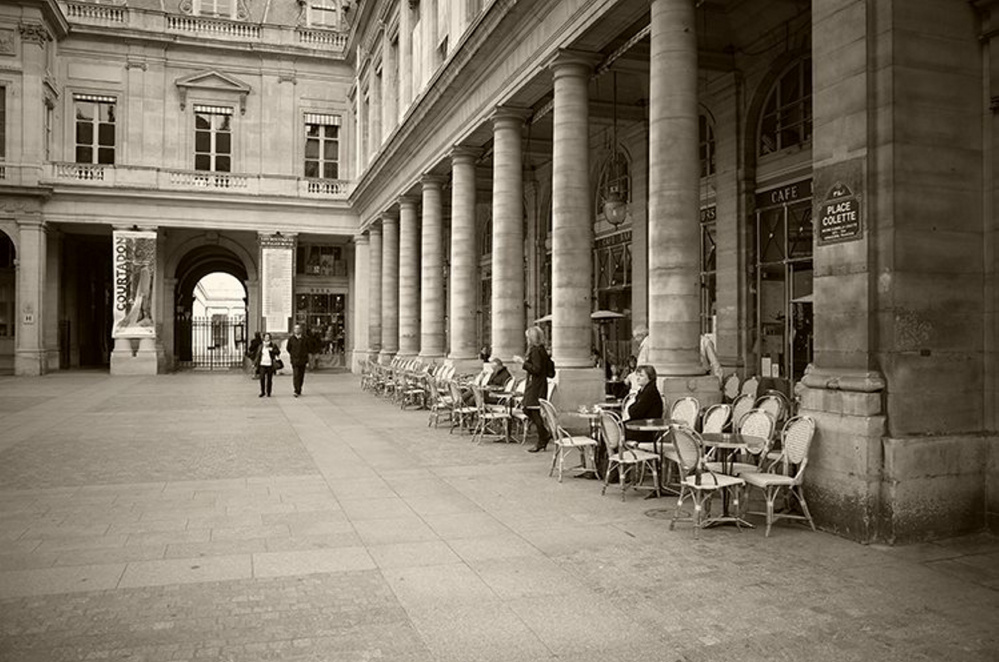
pixel 134 266
pixel 277 292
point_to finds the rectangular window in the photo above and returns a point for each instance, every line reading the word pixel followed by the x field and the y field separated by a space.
pixel 95 128
pixel 322 146
pixel 213 138
pixel 48 130
pixel 223 8
pixel 324 14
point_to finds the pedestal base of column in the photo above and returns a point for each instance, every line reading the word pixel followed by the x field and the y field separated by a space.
pixel 134 356
pixel 705 388
pixel 357 359
pixel 402 354
pixel 470 366
pixel 30 362
pixel 385 357
pixel 431 358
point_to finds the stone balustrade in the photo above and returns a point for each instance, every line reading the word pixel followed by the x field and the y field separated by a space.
pixel 216 27
pixel 96 14
pixel 141 177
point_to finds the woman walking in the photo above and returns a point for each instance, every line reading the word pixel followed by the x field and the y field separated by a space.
pixel 539 367
pixel 266 361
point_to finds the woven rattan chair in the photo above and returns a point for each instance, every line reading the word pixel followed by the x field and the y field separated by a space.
pixel 488 416
pixel 716 418
pixel 686 411
pixel 697 483
pixel 740 407
pixel 439 402
pixel 564 442
pixel 462 415
pixel 757 424
pixel 775 404
pixel 797 438
pixel 625 459
pixel 730 389
pixel 750 386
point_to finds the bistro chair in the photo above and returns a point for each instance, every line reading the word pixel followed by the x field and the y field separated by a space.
pixel 730 389
pixel 563 441
pixel 697 482
pixel 625 459
pixel 740 407
pixel 775 404
pixel 750 386
pixel 797 439
pixel 439 403
pixel 716 418
pixel 757 424
pixel 488 416
pixel 626 405
pixel 462 415
pixel 685 410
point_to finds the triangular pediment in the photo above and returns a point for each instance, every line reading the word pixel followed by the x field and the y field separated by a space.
pixel 214 80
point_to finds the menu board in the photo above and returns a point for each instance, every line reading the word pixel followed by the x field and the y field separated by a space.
pixel 277 296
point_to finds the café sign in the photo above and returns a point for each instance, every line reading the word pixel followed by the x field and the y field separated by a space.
pixel 839 216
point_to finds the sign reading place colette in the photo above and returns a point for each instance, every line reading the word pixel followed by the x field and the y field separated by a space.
pixel 839 216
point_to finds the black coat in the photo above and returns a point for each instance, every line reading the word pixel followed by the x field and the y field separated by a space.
pixel 648 403
pixel 275 354
pixel 538 366
pixel 499 377
pixel 298 350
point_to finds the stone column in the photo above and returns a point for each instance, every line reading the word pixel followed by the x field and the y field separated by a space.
pixel 405 58
pixel 409 278
pixel 432 301
pixel 359 130
pixel 390 87
pixel 361 300
pixel 572 234
pixel 29 353
pixel 390 287
pixel 508 235
pixel 464 259
pixel 375 290
pixel 674 199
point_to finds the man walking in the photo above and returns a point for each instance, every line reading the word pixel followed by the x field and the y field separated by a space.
pixel 298 350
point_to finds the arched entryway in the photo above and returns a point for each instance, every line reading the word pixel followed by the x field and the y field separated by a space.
pixel 8 295
pixel 210 315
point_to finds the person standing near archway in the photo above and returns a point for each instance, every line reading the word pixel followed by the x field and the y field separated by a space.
pixel 298 353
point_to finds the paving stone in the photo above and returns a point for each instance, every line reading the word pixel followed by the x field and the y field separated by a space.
pixel 336 527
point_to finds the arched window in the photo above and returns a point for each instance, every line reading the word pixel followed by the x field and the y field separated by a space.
pixel 787 113
pixel 706 132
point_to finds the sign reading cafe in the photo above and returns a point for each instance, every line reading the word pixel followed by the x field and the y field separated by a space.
pixel 134 266
pixel 839 216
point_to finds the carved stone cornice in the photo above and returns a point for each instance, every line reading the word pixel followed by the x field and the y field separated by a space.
pixel 34 33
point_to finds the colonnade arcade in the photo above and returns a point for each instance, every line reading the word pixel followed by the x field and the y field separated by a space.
pixel 422 295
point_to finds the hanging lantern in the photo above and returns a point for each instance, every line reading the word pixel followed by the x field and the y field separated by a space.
pixel 615 206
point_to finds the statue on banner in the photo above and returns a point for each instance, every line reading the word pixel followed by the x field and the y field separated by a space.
pixel 134 270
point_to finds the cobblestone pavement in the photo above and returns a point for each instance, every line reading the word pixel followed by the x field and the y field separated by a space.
pixel 182 518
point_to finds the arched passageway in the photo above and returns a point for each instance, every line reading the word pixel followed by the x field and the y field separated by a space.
pixel 210 310
pixel 8 294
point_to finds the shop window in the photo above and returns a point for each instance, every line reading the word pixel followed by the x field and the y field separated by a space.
pixel 324 14
pixel 612 260
pixel 322 146
pixel 787 113
pixel 323 316
pixel 3 122
pixel 95 128
pixel 213 138
pixel 321 260
pixel 706 132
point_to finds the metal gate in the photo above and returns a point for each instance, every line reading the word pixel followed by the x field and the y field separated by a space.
pixel 217 342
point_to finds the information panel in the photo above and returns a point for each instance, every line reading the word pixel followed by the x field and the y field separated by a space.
pixel 134 268
pixel 277 295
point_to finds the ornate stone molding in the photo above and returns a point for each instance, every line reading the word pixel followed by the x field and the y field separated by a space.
pixel 213 81
pixel 8 45
pixel 34 33
pixel 134 63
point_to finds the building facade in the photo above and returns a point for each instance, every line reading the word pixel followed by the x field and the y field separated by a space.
pixel 806 186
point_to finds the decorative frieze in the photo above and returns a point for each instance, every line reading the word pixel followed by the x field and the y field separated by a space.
pixel 34 33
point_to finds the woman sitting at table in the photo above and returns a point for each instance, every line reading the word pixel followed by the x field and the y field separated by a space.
pixel 647 404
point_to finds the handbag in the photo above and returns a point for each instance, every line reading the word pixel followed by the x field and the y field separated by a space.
pixel 278 364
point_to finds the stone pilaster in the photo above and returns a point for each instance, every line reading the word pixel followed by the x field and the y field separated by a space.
pixel 375 290
pixel 406 56
pixel 432 271
pixel 674 198
pixel 53 287
pixel 572 234
pixel 390 288
pixel 409 277
pixel 29 352
pixel 508 235
pixel 464 258
pixel 361 301
pixel 359 120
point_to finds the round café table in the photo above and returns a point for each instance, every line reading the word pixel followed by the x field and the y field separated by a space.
pixel 728 444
